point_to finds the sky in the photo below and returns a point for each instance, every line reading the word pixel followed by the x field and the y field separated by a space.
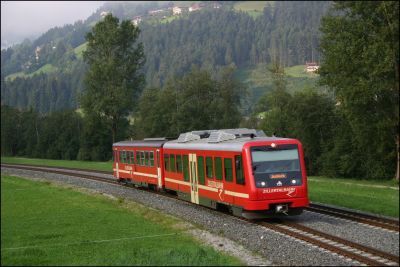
pixel 29 19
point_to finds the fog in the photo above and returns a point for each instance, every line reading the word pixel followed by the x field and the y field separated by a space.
pixel 29 19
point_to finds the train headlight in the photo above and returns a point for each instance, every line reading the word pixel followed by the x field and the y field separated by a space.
pixel 294 181
pixel 262 184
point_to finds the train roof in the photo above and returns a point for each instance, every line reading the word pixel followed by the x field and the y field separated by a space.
pixel 147 142
pixel 217 140
pixel 225 139
pixel 229 145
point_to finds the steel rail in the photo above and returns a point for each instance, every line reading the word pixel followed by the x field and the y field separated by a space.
pixel 349 249
pixel 48 169
pixel 384 223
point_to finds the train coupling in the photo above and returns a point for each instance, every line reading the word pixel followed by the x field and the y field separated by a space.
pixel 282 209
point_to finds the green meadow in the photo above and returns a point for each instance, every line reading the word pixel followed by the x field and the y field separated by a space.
pixel 48 68
pixel 45 224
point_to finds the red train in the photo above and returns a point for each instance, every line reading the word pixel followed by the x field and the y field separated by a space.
pixel 241 170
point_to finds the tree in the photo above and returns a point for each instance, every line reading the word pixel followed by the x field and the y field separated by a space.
pixel 275 103
pixel 360 46
pixel 114 79
pixel 231 91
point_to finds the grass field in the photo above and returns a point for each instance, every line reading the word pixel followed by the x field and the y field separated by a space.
pixel 79 50
pixel 44 224
pixel 381 197
pixel 90 165
pixel 259 80
pixel 48 68
pixel 253 8
pixel 298 72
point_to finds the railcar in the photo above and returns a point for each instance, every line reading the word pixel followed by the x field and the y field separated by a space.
pixel 139 162
pixel 242 170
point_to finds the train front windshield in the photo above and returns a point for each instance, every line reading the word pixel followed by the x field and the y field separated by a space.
pixel 276 166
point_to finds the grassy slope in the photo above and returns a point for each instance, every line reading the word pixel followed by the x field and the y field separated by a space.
pixel 51 225
pixel 379 197
pixel 259 80
pixel 48 68
pixel 79 50
pixel 253 8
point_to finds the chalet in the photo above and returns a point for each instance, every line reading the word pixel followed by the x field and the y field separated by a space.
pixel 216 5
pixel 104 13
pixel 154 12
pixel 136 20
pixel 194 7
pixel 37 52
pixel 311 67
pixel 176 10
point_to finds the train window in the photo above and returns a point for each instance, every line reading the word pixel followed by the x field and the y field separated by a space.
pixel 158 159
pixel 166 162
pixel 142 158
pixel 123 156
pixel 239 170
pixel 146 158
pixel 172 162
pixel 132 156
pixel 151 158
pixel 128 157
pixel 120 156
pixel 228 170
pixel 209 167
pixel 137 157
pixel 218 168
pixel 179 163
pixel 185 167
pixel 200 170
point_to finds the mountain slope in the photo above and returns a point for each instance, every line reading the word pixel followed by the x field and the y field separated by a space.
pixel 210 38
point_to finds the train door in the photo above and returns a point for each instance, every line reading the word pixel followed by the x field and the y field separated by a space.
pixel 116 163
pixel 159 169
pixel 194 190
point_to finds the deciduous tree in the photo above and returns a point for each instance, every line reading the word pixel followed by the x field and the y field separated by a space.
pixel 360 46
pixel 114 79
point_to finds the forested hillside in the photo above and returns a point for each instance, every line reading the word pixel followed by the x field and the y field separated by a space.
pixel 47 74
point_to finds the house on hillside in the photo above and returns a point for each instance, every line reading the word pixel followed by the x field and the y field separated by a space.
pixel 216 5
pixel 176 10
pixel 194 7
pixel 311 67
pixel 154 12
pixel 104 13
pixel 136 20
pixel 37 52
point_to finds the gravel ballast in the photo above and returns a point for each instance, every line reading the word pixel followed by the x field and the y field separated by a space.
pixel 277 248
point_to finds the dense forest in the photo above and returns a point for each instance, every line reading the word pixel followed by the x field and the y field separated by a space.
pixel 210 38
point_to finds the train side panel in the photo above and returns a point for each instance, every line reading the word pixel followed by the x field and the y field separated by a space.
pixel 138 165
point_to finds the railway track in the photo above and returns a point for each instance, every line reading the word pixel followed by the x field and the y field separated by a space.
pixel 53 170
pixel 379 222
pixel 363 254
